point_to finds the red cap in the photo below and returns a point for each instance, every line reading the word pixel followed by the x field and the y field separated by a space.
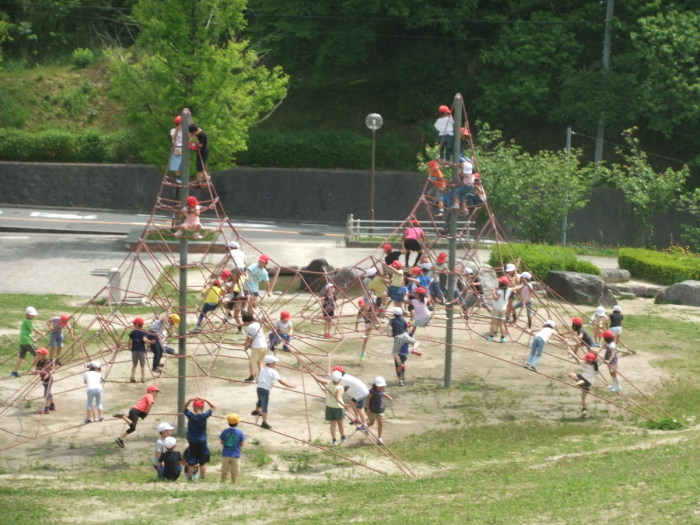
pixel 192 201
pixel 503 280
pixel 152 388
pixel 415 222
pixel 590 356
pixel 442 257
pixel 178 120
pixel 225 274
pixel 42 351
pixel 360 302
pixel 339 369
pixel 285 315
pixel 577 321
pixel 444 109
pixel 433 165
pixel 264 258
pixel 607 335
pixel 138 321
pixel 216 282
pixel 64 319
pixel 397 264
pixel 415 270
pixel 387 247
pixel 198 403
pixel 192 146
pixel 420 289
pixel 476 176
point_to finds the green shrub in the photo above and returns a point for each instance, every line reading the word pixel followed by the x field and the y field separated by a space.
pixel 539 259
pixel 323 150
pixel 82 58
pixel 658 267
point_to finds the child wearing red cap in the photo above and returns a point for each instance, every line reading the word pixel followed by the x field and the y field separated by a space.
pixel 282 331
pixel 257 273
pixel 212 296
pixel 584 379
pixel 139 410
pixel 418 306
pixel 501 295
pixel 56 326
pixel 139 339
pixel 413 238
pixel 396 288
pixel 190 213
pixel 611 359
pixel 390 255
pixel 444 125
pixel 198 451
pixel 44 367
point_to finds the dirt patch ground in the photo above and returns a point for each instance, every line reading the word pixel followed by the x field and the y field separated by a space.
pixel 489 384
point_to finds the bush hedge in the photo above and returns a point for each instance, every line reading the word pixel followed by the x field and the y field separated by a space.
pixel 539 259
pixel 659 267
pixel 58 145
pixel 324 150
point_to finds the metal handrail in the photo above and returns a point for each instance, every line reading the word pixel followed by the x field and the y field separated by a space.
pixel 357 229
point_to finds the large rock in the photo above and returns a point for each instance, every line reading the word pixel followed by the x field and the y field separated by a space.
pixel 615 275
pixel 581 288
pixel 637 290
pixel 686 292
pixel 314 275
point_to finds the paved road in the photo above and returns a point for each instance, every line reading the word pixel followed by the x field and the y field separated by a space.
pixel 43 253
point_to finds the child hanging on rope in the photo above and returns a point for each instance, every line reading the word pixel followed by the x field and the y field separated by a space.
pixel 377 286
pixel 268 376
pixel 583 338
pixel 584 379
pixel 56 337
pixel 328 306
pixel 413 238
pixel 399 332
pixel 212 296
pixel 396 288
pixel 197 418
pixel 611 359
pixel 438 186
pixel 541 338
pixel 599 321
pixel 190 213
pixel 44 368
pixel 139 410
pixel 418 306
pixel 375 406
pixel 282 333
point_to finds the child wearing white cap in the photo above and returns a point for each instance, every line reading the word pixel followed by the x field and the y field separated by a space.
pixel 600 322
pixel 375 406
pixel 268 376
pixel 170 460
pixel 335 407
pixel 93 382
pixel 541 339
pixel 26 341
pixel 165 429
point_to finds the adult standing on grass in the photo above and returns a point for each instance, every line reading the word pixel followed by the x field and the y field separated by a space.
pixel 198 455
pixel 26 341
pixel 139 410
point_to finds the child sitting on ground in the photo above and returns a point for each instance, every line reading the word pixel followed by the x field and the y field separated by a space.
pixel 170 460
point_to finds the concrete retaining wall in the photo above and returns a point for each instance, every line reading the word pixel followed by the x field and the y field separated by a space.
pixel 296 195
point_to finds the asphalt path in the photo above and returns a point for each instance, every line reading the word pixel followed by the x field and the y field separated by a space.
pixel 56 251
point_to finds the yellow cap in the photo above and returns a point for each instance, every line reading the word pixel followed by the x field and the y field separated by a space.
pixel 174 318
pixel 233 418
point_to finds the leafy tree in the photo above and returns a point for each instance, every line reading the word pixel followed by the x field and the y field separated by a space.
pixel 646 191
pixel 533 193
pixel 691 235
pixel 188 54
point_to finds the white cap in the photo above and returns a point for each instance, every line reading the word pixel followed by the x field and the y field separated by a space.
pixel 600 311
pixel 397 310
pixel 96 364
pixel 234 245
pixel 550 323
pixel 510 267
pixel 371 272
pixel 269 359
pixel 328 286
pixel 617 308
pixel 336 376
pixel 169 442
pixel 527 276
pixel 31 311
pixel 165 426
pixel 426 266
pixel 379 381
pixel 468 271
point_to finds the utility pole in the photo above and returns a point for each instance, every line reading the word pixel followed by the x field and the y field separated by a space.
pixel 182 303
pixel 607 45
pixel 449 310
pixel 567 149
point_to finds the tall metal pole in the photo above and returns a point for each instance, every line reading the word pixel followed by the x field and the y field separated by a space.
pixel 182 306
pixel 567 149
pixel 452 255
pixel 371 184
pixel 607 47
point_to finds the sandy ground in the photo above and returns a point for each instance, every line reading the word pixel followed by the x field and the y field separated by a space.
pixel 489 384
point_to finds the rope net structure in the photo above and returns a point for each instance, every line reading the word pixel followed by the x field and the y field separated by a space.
pixel 217 363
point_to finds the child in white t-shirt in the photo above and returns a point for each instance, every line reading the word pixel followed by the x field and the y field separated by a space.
pixel 268 376
pixel 93 382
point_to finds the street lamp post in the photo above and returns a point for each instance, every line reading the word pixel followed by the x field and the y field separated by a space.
pixel 373 121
